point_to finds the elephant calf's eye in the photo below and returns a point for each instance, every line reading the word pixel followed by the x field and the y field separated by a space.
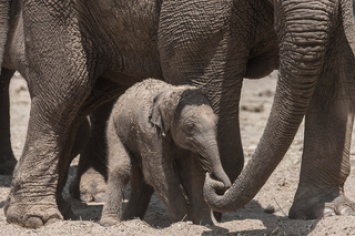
pixel 189 128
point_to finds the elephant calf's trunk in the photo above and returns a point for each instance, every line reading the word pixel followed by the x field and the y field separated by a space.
pixel 220 175
pixel 212 159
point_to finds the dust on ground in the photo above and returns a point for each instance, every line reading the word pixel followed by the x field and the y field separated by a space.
pixel 277 193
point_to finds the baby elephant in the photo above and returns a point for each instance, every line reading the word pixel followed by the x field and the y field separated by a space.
pixel 147 126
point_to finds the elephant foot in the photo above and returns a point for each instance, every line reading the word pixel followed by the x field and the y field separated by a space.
pixel 8 163
pixel 202 216
pixel 205 221
pixel 32 215
pixel 90 187
pixel 321 205
pixel 340 206
pixel 109 220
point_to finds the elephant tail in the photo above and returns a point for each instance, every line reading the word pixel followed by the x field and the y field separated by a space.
pixel 348 22
pixel 4 26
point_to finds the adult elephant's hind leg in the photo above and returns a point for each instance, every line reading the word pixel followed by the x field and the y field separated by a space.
pixel 89 183
pixel 78 141
pixel 325 161
pixel 39 175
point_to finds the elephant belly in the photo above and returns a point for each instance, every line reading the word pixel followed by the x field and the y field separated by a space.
pixel 261 66
pixel 123 35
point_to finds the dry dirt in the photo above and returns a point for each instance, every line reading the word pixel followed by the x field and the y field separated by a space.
pixel 252 220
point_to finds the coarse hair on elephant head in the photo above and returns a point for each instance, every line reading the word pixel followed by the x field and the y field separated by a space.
pixel 169 104
pixel 189 118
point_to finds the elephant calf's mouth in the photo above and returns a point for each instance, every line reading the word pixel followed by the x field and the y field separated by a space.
pixel 206 165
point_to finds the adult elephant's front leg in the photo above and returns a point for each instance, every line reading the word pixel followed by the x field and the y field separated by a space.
pixel 39 177
pixel 59 85
pixel 325 161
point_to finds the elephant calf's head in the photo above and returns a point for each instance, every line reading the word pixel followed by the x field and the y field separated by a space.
pixel 187 114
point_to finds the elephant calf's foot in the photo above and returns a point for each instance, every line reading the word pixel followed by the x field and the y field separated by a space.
pixel 90 187
pixel 322 205
pixel 109 220
pixel 32 215
pixel 207 221
pixel 204 217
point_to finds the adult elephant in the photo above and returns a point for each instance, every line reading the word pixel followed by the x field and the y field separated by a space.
pixel 316 42
pixel 80 54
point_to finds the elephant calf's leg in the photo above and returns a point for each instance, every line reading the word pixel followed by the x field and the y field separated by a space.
pixel 119 172
pixel 192 178
pixel 140 195
pixel 166 182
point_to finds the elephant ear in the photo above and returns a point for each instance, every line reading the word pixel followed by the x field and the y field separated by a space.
pixel 162 112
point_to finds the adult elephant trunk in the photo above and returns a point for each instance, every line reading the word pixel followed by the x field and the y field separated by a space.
pixel 4 26
pixel 303 29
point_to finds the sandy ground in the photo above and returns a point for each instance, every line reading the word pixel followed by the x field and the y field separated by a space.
pixel 252 220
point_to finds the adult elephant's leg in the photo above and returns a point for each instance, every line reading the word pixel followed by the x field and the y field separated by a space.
pixel 40 175
pixel 81 138
pixel 325 161
pixel 89 183
pixel 59 85
pixel 7 158
pixel 64 163
pixel 328 133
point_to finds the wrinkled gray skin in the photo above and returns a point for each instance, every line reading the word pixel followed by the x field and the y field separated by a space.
pixel 80 54
pixel 148 123
pixel 316 42
pixel 92 156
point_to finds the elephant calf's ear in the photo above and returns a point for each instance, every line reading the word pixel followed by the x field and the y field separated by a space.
pixel 156 116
